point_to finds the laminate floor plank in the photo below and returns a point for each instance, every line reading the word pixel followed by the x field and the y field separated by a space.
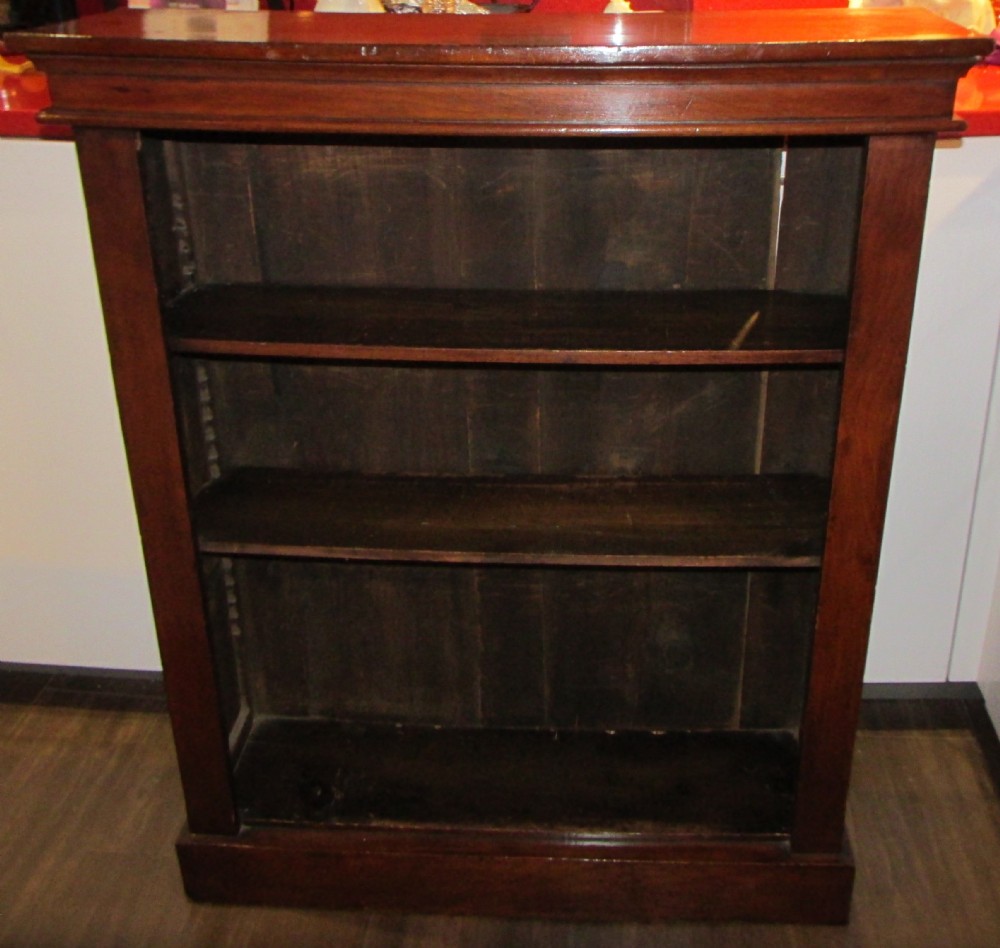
pixel 90 807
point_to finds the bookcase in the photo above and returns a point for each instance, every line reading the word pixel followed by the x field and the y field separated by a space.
pixel 509 404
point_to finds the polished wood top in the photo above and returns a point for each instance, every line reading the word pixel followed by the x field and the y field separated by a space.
pixel 668 38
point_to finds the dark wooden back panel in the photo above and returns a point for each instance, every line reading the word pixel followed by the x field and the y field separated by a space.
pixel 518 647
pixel 563 648
pixel 480 214
pixel 477 214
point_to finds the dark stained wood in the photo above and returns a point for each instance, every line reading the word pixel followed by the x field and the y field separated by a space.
pixel 762 103
pixel 781 610
pixel 169 230
pixel 514 667
pixel 190 246
pixel 662 650
pixel 819 215
pixel 468 213
pixel 276 676
pixel 118 231
pixel 734 522
pixel 722 251
pixel 561 328
pixel 648 424
pixel 331 871
pixel 362 642
pixel 523 155
pixel 196 422
pixel 849 61
pixel 523 647
pixel 892 214
pixel 561 780
pixel 225 620
pixel 799 427
pixel 720 36
pixel 361 215
pixel 431 420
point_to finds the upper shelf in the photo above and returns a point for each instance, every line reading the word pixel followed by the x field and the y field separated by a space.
pixel 597 328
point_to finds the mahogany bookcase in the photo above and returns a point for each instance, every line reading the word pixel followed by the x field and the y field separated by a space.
pixel 509 403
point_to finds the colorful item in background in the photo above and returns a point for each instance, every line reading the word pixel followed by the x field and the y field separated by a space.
pixel 994 58
pixel 23 92
pixel 14 65
pixel 204 4
pixel 977 102
pixel 975 15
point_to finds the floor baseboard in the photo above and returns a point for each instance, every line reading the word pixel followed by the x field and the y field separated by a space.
pixel 94 688
pixel 884 707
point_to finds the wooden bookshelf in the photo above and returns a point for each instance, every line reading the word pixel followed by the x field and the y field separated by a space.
pixel 509 405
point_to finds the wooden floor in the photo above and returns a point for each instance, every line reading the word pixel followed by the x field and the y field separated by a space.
pixel 90 807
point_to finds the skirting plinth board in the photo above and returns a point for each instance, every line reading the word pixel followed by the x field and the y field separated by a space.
pixel 476 874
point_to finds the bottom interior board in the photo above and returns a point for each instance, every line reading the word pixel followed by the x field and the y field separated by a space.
pixel 313 771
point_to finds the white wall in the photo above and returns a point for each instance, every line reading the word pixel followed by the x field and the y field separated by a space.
pixel 72 588
pixel 979 613
pixel 942 421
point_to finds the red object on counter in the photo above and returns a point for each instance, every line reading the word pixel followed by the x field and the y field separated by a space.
pixel 22 96
pixel 977 100
pixel 643 6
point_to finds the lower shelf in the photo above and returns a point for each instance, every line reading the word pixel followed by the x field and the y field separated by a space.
pixel 691 784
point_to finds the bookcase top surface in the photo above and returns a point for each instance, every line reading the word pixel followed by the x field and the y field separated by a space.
pixel 808 72
pixel 670 38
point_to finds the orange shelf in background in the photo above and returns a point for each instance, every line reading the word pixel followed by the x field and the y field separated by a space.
pixel 22 96
pixel 977 100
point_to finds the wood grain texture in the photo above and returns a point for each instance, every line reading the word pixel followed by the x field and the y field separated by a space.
pixel 813 891
pixel 781 612
pixel 559 328
pixel 118 230
pixel 518 647
pixel 557 780
pixel 361 642
pixel 729 36
pixel 892 215
pixel 464 213
pixel 799 427
pixel 433 420
pixel 819 215
pixel 370 74
pixel 735 522
pixel 763 103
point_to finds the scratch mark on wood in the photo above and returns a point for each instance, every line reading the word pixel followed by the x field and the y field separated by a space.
pixel 745 329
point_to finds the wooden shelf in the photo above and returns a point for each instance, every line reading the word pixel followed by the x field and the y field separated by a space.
pixel 744 522
pixel 433 325
pixel 691 783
